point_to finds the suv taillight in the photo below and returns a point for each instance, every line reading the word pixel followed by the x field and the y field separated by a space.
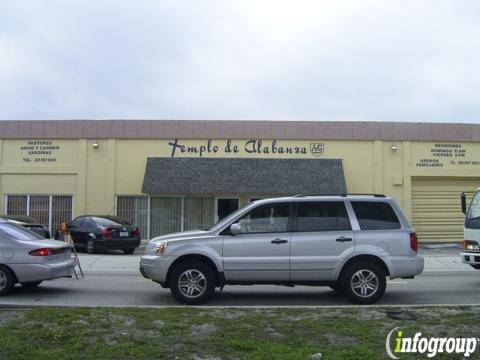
pixel 41 252
pixel 106 233
pixel 413 241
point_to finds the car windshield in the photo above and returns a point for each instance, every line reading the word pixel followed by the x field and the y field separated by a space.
pixel 110 221
pixel 18 232
pixel 473 215
pixel 222 222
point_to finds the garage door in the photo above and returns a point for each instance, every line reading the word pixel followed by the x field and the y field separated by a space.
pixel 436 210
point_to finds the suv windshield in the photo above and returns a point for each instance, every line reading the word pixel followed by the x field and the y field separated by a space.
pixel 473 216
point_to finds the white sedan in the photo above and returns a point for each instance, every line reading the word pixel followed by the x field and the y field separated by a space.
pixel 28 259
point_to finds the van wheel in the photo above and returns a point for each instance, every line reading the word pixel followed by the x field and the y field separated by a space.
pixel 7 280
pixel 364 283
pixel 192 282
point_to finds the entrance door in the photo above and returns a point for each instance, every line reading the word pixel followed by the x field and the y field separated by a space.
pixel 226 206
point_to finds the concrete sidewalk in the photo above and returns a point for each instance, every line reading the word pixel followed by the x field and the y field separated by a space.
pixel 441 258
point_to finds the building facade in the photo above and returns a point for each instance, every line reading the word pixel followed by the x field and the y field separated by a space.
pixel 168 176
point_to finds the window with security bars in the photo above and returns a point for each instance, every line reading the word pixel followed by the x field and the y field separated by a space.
pixel 40 209
pixel 159 215
pixel 17 205
pixel 48 210
pixel 61 211
pixel 198 213
pixel 134 209
pixel 165 215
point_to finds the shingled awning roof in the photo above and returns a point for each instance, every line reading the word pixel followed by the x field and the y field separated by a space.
pixel 241 176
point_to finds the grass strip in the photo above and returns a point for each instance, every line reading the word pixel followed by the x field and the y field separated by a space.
pixel 230 333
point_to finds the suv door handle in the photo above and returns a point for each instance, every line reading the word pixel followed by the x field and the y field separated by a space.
pixel 279 241
pixel 344 239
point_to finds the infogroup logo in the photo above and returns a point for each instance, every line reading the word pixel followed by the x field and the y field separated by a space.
pixel 431 346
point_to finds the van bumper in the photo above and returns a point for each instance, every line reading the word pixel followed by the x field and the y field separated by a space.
pixel 470 258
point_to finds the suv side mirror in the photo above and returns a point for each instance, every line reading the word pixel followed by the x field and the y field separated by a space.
pixel 235 229
pixel 464 203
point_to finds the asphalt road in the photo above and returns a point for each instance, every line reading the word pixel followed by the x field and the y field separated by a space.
pixel 129 288
pixel 113 279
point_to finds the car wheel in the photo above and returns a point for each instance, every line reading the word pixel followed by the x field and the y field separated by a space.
pixel 90 246
pixel 7 280
pixel 129 251
pixel 31 284
pixel 192 282
pixel 364 283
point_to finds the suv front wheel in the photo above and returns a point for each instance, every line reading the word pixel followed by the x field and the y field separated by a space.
pixel 192 282
pixel 364 283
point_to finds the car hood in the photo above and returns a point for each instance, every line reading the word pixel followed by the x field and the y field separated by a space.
pixel 180 236
pixel 44 243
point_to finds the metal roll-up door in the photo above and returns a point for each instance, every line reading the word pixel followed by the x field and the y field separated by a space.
pixel 436 209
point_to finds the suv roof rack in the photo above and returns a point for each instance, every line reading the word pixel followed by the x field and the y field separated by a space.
pixel 343 195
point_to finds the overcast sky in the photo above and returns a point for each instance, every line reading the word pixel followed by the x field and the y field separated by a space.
pixel 246 59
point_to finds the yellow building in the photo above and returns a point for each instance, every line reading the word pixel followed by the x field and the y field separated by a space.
pixel 56 170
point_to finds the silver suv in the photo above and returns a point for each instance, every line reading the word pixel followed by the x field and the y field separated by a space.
pixel 348 242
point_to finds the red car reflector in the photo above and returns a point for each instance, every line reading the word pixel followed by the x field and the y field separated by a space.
pixel 41 252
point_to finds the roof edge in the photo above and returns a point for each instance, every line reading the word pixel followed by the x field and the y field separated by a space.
pixel 237 129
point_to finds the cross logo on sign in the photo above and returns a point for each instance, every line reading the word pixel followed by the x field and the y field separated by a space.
pixel 317 149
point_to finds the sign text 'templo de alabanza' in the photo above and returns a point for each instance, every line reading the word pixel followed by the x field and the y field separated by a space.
pixel 251 147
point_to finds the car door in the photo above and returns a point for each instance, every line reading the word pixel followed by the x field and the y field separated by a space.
pixel 322 237
pixel 261 251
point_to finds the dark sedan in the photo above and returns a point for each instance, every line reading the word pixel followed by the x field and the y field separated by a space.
pixel 104 232
pixel 29 223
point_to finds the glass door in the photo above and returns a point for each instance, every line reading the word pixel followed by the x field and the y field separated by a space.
pixel 225 206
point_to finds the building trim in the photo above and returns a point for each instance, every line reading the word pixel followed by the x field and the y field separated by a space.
pixel 236 129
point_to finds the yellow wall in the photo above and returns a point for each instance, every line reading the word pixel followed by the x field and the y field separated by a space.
pixel 95 175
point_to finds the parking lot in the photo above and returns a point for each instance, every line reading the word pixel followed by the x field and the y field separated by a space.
pixel 113 279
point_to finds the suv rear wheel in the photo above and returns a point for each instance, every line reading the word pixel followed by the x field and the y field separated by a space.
pixel 192 282
pixel 364 283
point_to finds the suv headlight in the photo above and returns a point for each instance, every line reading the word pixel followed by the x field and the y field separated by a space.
pixel 156 248
pixel 471 245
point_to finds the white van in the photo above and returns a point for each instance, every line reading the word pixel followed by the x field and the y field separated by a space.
pixel 471 255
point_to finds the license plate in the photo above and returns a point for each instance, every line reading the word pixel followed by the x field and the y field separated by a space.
pixel 123 233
